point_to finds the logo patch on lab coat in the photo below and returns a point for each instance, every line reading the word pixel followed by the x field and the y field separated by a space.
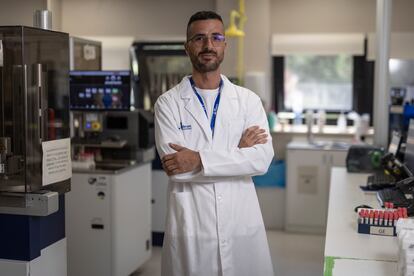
pixel 184 127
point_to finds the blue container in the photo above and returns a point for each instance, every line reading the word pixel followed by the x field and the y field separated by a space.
pixel 275 176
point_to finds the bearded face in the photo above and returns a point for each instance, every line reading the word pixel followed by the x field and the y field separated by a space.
pixel 206 45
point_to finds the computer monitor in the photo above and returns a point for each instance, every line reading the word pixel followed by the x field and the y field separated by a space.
pixel 395 143
pixel 409 147
pixel 100 90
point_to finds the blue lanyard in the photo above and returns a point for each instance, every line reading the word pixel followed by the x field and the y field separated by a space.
pixel 216 103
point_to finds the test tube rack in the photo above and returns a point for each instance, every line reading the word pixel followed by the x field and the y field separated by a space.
pixel 379 221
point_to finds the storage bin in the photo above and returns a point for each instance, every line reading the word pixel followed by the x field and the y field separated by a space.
pixel 275 176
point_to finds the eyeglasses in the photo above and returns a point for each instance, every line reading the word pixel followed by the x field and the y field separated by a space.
pixel 216 39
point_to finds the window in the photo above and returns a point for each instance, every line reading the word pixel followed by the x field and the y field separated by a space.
pixel 318 82
pixel 322 71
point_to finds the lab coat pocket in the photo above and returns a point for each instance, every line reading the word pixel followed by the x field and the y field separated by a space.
pixel 235 132
pixel 181 221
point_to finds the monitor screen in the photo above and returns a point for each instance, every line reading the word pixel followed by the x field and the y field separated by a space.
pixel 409 147
pixel 100 90
pixel 395 143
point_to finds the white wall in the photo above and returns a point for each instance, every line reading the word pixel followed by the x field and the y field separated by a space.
pixel 146 19
pixel 229 65
pixel 55 6
pixel 302 16
pixel 19 12
pixel 138 18
pixel 117 23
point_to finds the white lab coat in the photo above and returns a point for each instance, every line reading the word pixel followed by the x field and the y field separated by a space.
pixel 214 224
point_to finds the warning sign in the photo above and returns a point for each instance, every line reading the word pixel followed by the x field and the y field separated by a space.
pixel 56 161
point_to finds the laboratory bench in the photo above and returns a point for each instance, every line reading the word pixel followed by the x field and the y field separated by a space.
pixel 282 135
pixel 346 251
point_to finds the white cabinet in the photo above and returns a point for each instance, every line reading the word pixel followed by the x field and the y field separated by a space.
pixel 159 200
pixel 307 189
pixel 108 221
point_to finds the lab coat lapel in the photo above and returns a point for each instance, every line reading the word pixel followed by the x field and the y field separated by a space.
pixel 194 107
pixel 225 110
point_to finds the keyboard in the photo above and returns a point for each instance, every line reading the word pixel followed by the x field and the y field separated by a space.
pixel 380 180
pixel 396 196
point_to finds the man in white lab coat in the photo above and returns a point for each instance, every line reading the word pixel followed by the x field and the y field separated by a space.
pixel 212 137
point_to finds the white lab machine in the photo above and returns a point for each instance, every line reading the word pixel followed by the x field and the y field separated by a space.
pixel 108 220
pixel 159 205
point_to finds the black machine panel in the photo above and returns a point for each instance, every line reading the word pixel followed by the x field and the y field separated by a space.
pixel 100 90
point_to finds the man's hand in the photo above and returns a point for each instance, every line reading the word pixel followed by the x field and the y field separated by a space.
pixel 252 136
pixel 184 160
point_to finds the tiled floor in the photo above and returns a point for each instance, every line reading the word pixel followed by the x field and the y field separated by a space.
pixel 292 254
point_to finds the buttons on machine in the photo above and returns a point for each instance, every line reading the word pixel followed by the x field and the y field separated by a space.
pixel 101 195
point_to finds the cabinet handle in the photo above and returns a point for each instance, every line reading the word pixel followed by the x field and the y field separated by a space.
pixel 39 86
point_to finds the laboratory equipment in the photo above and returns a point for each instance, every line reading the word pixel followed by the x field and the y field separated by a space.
pixel 100 90
pixel 156 67
pixel 35 165
pixel 108 221
pixel 363 158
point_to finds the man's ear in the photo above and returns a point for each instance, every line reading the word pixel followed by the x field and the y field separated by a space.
pixel 186 47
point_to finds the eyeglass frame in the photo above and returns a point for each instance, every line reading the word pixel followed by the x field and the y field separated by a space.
pixel 209 37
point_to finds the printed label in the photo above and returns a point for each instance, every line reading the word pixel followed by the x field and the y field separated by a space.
pixel 56 163
pixel 89 52
pixel 184 127
pixel 383 231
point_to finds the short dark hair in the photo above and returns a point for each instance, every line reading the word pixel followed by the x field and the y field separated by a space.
pixel 202 15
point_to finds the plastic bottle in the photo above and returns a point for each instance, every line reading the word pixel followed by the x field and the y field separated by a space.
pixel 297 119
pixel 341 123
pixel 272 119
pixel 321 120
pixel 309 125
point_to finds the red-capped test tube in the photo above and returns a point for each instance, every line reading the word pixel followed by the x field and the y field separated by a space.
pixel 376 217
pixel 371 216
pixel 361 216
pixel 381 217
pixel 386 217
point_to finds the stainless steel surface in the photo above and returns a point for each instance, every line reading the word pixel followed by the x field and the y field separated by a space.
pixel 1 53
pixel 39 85
pixel 42 19
pixel 29 204
pixel 381 78
pixel 34 91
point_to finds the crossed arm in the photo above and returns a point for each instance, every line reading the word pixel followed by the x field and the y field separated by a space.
pixel 187 160
pixel 252 156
